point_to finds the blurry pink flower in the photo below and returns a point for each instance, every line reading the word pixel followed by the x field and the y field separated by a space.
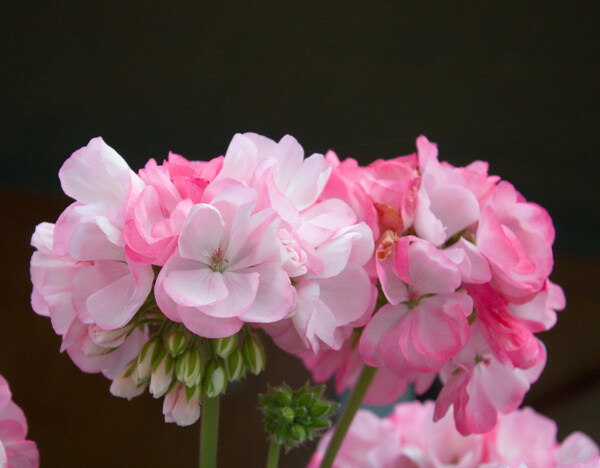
pixel 226 270
pixel 15 451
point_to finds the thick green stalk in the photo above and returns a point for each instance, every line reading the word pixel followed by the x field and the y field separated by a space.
pixel 209 431
pixel 352 405
pixel 274 450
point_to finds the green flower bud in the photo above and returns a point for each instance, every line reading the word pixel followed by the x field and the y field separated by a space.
pixel 215 379
pixel 176 342
pixel 225 346
pixel 284 397
pixel 234 365
pixel 162 374
pixel 254 355
pixel 189 367
pixel 321 408
pixel 297 432
pixel 286 415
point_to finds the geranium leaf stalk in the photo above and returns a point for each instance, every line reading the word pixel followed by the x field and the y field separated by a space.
pixel 209 431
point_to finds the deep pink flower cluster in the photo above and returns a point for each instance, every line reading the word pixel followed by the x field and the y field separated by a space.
pixel 409 438
pixel 410 265
pixel 15 451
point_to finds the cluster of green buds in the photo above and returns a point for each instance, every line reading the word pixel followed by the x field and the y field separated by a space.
pixel 174 359
pixel 291 417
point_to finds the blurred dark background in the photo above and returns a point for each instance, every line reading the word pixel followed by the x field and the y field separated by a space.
pixel 513 83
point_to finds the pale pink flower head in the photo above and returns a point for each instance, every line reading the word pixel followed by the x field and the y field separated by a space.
pixel 15 450
pixel 362 445
pixel 524 436
pixel 106 288
pixel 155 217
pixel 425 322
pixel 516 237
pixel 278 171
pixel 226 270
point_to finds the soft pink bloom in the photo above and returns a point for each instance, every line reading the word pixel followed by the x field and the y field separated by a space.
pixel 15 451
pixel 226 270
pixel 66 290
pixel 425 323
pixel 516 237
pixel 180 409
pixel 345 184
pixel 448 200
pixel 107 288
pixel 479 385
pixel 154 217
pixel 578 448
pixel 278 171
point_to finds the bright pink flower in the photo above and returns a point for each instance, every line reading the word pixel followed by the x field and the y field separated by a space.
pixel 154 217
pixel 15 451
pixel 425 323
pixel 226 270
pixel 516 236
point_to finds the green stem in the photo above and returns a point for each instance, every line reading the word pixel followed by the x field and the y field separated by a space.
pixel 352 405
pixel 209 431
pixel 273 459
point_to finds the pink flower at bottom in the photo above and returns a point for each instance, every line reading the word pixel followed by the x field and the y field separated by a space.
pixel 15 451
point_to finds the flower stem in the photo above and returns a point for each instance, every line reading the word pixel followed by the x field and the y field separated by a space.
pixel 274 450
pixel 352 405
pixel 209 431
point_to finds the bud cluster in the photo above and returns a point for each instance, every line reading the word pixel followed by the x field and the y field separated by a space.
pixel 182 367
pixel 291 417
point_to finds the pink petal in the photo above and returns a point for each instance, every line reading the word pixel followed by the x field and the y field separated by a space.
pixel 196 285
pixel 202 234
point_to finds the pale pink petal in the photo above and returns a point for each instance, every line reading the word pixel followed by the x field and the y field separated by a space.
pixel 197 286
pixel 242 289
pixel 385 320
pixel 202 234
pixel 456 207
pixel 308 181
pixel 110 174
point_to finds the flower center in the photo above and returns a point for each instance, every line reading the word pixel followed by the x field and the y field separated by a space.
pixel 219 262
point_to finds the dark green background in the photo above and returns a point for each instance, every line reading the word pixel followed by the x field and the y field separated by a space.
pixel 513 83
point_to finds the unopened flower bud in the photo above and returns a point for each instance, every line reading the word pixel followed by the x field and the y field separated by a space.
pixel 215 379
pixel 143 369
pixel 123 384
pixel 181 408
pixel 176 342
pixel 225 346
pixel 108 338
pixel 254 355
pixel 286 414
pixel 162 375
pixel 234 365
pixel 298 432
pixel 190 367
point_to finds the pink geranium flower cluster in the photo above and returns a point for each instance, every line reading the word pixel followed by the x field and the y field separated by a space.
pixel 413 266
pixel 408 437
pixel 15 451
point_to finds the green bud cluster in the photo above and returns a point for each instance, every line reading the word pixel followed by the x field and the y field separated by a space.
pixel 203 365
pixel 291 417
